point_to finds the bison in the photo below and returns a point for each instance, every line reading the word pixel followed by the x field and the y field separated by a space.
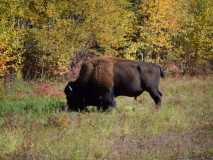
pixel 104 78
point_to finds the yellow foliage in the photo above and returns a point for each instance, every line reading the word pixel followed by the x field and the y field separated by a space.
pixel 166 28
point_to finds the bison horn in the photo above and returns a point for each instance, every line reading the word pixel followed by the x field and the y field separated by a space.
pixel 70 88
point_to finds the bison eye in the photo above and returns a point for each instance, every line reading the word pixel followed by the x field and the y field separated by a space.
pixel 70 88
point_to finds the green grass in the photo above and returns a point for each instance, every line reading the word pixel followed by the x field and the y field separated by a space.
pixel 24 97
pixel 182 129
pixel 32 104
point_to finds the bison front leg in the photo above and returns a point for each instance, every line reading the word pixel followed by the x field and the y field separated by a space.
pixel 110 105
pixel 78 106
pixel 75 109
pixel 107 101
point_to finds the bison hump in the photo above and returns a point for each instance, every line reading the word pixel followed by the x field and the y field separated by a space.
pixel 85 73
pixel 103 72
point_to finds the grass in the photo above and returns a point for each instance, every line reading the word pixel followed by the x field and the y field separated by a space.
pixel 23 97
pixel 31 127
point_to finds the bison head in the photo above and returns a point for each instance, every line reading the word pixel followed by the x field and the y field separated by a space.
pixel 75 98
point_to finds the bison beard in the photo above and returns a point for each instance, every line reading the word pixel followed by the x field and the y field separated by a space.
pixel 102 79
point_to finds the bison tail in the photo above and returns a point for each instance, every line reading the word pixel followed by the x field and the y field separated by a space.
pixel 162 72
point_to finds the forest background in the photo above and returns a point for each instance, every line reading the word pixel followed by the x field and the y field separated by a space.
pixel 39 37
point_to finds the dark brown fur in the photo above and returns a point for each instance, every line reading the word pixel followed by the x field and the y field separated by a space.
pixel 102 79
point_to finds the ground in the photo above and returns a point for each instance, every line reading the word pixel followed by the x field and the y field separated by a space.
pixel 32 127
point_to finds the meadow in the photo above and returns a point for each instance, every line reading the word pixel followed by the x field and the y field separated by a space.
pixel 33 127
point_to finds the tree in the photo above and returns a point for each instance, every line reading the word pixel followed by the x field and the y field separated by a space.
pixel 194 41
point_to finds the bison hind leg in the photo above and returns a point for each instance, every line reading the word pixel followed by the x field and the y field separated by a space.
pixel 160 93
pixel 156 96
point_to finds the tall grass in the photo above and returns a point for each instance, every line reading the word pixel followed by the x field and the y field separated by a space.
pixel 182 129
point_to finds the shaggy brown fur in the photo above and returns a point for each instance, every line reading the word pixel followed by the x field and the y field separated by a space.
pixel 99 71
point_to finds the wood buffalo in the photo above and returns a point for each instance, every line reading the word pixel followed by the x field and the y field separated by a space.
pixel 102 79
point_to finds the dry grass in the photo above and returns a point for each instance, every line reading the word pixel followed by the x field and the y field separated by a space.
pixel 181 130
